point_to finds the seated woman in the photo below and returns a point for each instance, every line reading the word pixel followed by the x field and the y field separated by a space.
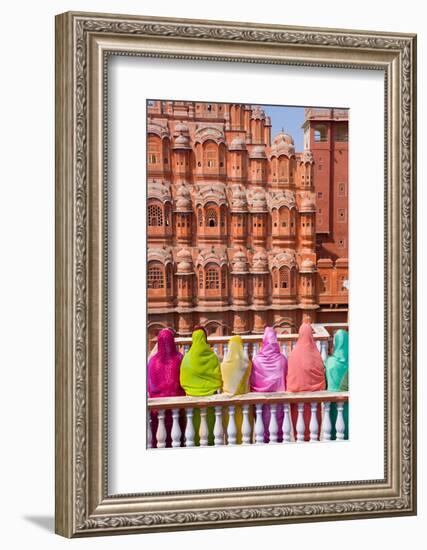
pixel 235 371
pixel 163 371
pixel 337 376
pixel 269 372
pixel 306 372
pixel 201 376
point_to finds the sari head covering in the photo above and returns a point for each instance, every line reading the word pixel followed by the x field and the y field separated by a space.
pixel 163 367
pixel 270 366
pixel 235 368
pixel 200 372
pixel 305 366
pixel 337 364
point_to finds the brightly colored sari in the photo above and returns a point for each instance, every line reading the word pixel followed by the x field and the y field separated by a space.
pixel 306 372
pixel 201 376
pixel 163 372
pixel 235 371
pixel 337 376
pixel 269 370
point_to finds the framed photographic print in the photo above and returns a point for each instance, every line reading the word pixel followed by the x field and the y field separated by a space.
pixel 235 274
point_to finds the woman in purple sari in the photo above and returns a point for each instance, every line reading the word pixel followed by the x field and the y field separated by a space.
pixel 269 370
pixel 163 377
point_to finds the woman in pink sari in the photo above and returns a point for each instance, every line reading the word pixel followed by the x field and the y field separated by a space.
pixel 269 369
pixel 306 372
pixel 163 377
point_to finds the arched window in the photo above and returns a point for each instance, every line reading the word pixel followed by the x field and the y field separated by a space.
pixel 320 133
pixel 284 277
pixel 210 155
pixel 155 215
pixel 224 278
pixel 169 277
pixel 211 217
pixel 200 217
pixel 212 278
pixel 200 278
pixel 154 153
pixel 155 277
pixel 282 167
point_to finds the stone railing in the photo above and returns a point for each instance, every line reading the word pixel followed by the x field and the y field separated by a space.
pixel 285 410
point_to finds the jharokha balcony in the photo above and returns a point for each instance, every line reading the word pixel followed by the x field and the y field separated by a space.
pixel 241 419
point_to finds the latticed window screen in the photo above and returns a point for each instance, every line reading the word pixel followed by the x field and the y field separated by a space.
pixel 200 278
pixel 200 217
pixel 153 153
pixel 211 218
pixel 155 277
pixel 210 156
pixel 212 279
pixel 284 277
pixel 155 215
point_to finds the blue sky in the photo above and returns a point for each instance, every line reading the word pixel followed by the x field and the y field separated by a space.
pixel 288 118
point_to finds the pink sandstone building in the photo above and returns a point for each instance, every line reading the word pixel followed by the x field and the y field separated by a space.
pixel 243 231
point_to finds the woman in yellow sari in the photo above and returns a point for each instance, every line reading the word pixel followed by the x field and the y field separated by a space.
pixel 235 371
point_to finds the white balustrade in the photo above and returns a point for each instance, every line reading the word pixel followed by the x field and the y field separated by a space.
pixel 314 424
pixel 216 349
pixel 326 423
pixel 340 425
pixel 161 430
pixel 259 425
pixel 284 350
pixel 300 423
pixel 231 427
pixel 246 348
pixel 286 425
pixel 318 345
pixel 176 429
pixel 218 429
pixel 186 348
pixel 189 429
pixel 324 350
pixel 246 426
pixel 273 427
pixel 203 430
pixel 149 432
pixel 255 348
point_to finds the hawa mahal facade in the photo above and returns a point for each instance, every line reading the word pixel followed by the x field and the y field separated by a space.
pixel 243 231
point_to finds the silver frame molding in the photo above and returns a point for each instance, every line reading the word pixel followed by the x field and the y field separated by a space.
pixel 84 42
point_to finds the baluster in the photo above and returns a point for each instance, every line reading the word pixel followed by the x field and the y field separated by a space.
pixel 189 428
pixel 216 349
pixel 176 430
pixel 259 425
pixel 149 432
pixel 273 427
pixel 293 344
pixel 326 424
pixel 284 349
pixel 186 348
pixel 218 429
pixel 324 350
pixel 161 430
pixel 300 423
pixel 231 428
pixel 318 345
pixel 204 430
pixel 340 425
pixel 286 425
pixel 224 349
pixel 246 348
pixel 255 348
pixel 314 425
pixel 246 426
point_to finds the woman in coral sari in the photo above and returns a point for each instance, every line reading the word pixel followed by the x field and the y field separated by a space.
pixel 306 372
pixel 269 372
pixel 201 376
pixel 235 371
pixel 163 377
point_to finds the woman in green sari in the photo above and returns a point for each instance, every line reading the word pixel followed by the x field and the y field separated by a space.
pixel 337 376
pixel 200 375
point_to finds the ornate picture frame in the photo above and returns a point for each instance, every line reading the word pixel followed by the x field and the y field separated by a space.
pixel 84 43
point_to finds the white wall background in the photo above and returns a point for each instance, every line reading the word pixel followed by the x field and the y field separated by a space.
pixel 27 275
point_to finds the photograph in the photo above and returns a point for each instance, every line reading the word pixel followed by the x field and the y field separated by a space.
pixel 247 273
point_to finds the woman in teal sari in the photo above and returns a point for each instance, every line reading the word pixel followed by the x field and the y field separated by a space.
pixel 200 375
pixel 337 376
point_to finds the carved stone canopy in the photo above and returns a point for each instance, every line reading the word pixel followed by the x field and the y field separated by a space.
pixel 211 255
pixel 283 144
pixel 307 205
pixel 159 190
pixel 183 199
pixel 277 199
pixel 281 259
pixel 307 157
pixel 206 133
pixel 258 113
pixel 180 128
pixel 260 262
pixel 239 263
pixel 185 262
pixel 181 142
pixel 162 255
pixel 307 266
pixel 158 129
pixel 257 201
pixel 258 152
pixel 238 200
pixel 214 193
pixel 238 144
